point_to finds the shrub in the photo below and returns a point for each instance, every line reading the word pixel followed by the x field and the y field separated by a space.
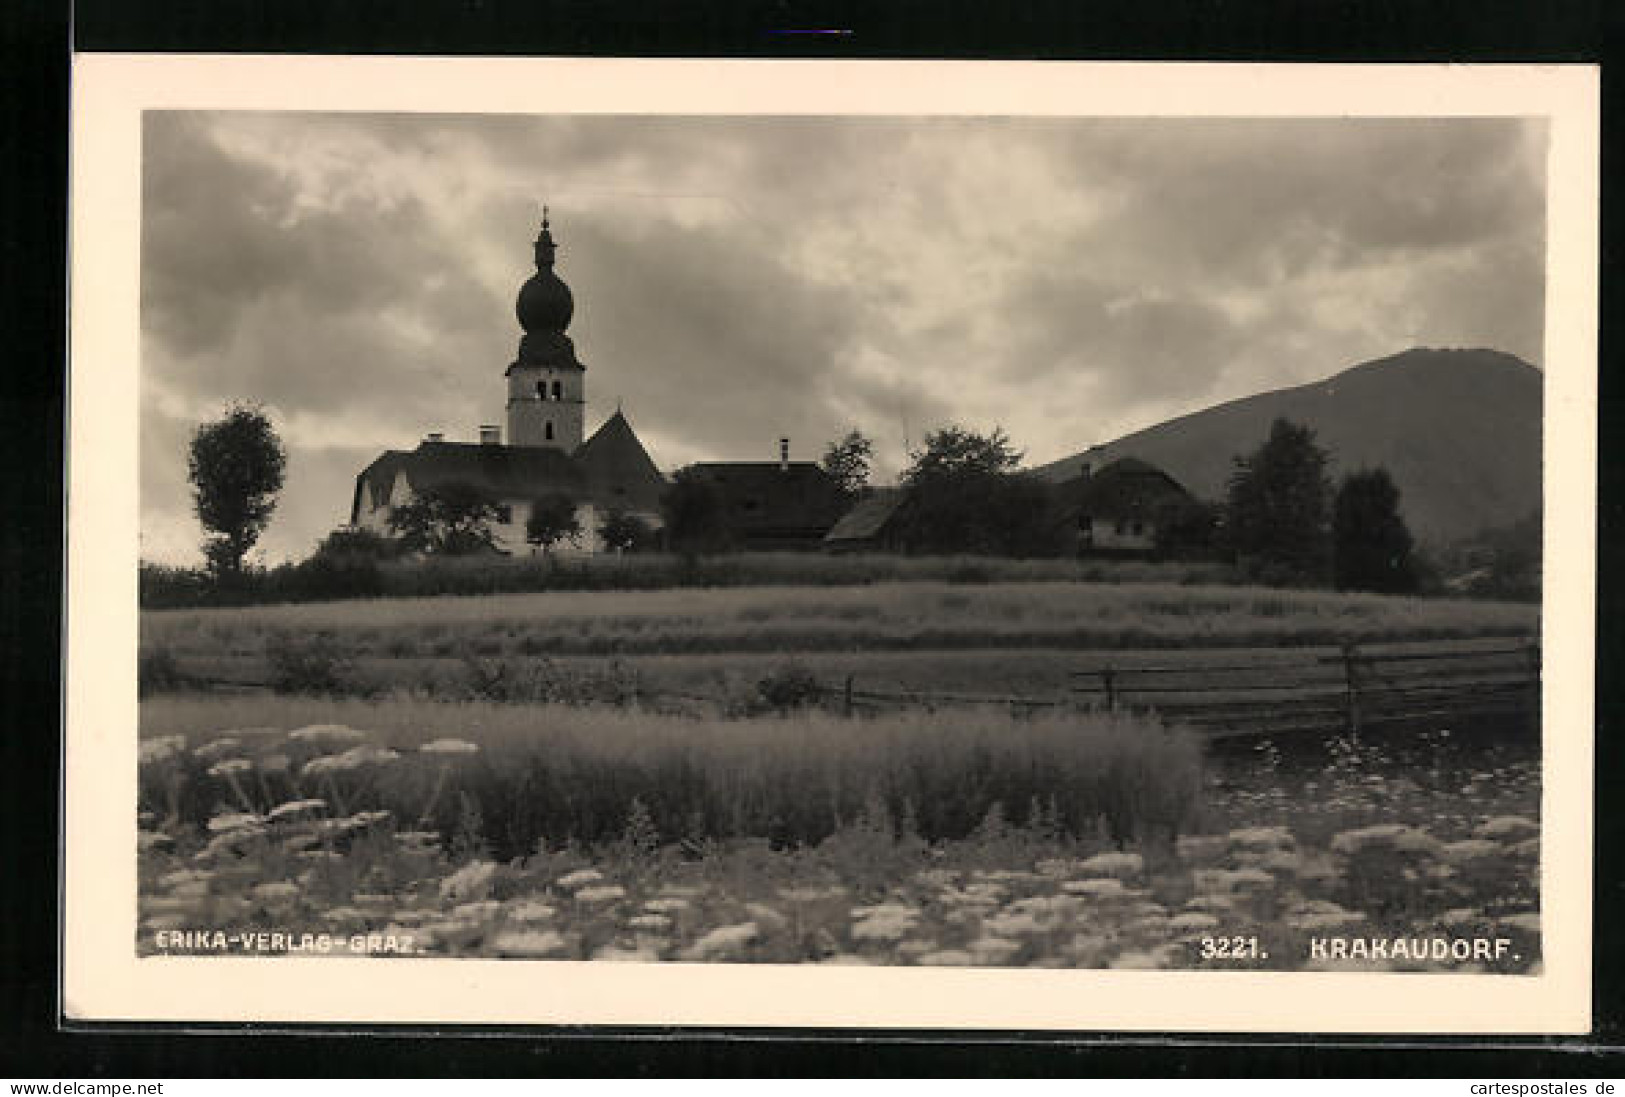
pixel 157 671
pixel 786 687
pixel 314 663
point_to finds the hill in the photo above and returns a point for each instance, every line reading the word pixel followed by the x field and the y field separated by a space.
pixel 1459 431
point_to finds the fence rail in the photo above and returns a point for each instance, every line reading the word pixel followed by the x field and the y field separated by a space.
pixel 1284 691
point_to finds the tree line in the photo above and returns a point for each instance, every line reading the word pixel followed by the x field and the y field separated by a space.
pixel 1283 520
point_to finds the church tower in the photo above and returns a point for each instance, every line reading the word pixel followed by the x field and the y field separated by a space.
pixel 547 386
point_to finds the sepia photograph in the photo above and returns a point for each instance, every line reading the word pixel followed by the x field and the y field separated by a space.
pixel 695 540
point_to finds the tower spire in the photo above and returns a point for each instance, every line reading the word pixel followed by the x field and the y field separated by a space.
pixel 546 248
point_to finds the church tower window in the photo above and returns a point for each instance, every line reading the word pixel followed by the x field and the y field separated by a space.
pixel 541 390
pixel 558 390
pixel 549 431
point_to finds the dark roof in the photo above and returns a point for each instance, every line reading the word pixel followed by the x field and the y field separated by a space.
pixel 506 472
pixel 618 470
pixel 869 517
pixel 764 496
pixel 1125 488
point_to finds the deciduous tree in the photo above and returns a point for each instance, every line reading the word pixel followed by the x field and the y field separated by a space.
pixel 236 465
pixel 452 519
pixel 847 462
pixel 552 520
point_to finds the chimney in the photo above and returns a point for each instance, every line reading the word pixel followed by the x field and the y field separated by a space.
pixel 490 435
pixel 435 436
pixel 784 454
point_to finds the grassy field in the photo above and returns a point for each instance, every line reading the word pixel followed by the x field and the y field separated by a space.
pixel 391 829
pixel 881 617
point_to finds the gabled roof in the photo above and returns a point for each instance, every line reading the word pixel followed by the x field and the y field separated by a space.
pixel 505 472
pixel 868 517
pixel 768 495
pixel 1125 488
pixel 618 469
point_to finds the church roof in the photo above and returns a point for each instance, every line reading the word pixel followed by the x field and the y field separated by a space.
pixel 618 469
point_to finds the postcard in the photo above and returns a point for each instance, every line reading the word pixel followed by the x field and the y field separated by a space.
pixel 1013 546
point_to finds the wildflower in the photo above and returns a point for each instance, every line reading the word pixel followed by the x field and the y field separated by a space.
pixel 527 943
pixel 605 894
pixel 993 950
pixel 722 941
pixel 483 910
pixel 811 895
pixel 886 922
pixel 275 763
pixel 364 755
pixel 666 906
pixel 1394 836
pixel 148 841
pixel 1262 838
pixel 237 820
pixel 327 733
pixel 1104 888
pixel 528 910
pixel 296 809
pixel 1009 923
pixel 363 820
pixel 418 841
pixel 216 748
pixel 1528 921
pixel 766 917
pixel 617 955
pixel 162 749
pixel 1506 826
pixel 448 746
pixel 1472 849
pixel 230 766
pixel 579 878
pixel 1114 864
pixel 1226 881
pixel 474 878
pixel 1529 847
pixel 1144 960
pixel 277 892
pixel 650 923
pixel 948 957
pixel 1192 922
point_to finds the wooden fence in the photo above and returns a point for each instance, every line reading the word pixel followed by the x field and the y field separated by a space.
pixel 1348 690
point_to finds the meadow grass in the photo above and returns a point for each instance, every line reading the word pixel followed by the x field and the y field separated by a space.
pixel 171 587
pixel 557 774
pixel 879 617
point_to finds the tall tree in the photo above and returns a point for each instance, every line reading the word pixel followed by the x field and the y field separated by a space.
pixel 552 519
pixel 695 515
pixel 962 494
pixel 847 462
pixel 1371 546
pixel 1277 510
pixel 452 519
pixel 236 465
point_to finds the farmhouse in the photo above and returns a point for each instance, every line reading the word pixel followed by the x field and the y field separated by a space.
pixel 869 526
pixel 1121 507
pixel 779 504
pixel 545 455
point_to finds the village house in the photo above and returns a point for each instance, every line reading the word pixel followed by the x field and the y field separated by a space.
pixel 1122 507
pixel 771 505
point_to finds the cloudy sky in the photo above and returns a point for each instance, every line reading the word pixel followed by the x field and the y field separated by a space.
pixel 739 279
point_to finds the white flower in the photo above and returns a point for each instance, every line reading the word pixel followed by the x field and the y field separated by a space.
pixel 161 749
pixel 607 893
pixel 1529 921
pixel 277 892
pixel 327 733
pixel 1104 888
pixel 1262 838
pixel 230 766
pixel 579 878
pixel 216 748
pixel 364 755
pixel 294 809
pixel 528 910
pixel 528 943
pixel 474 878
pixel 1506 826
pixel 724 940
pixel 666 906
pixel 1114 864
pixel 651 923
pixel 1192 922
pixel 448 746
pixel 236 820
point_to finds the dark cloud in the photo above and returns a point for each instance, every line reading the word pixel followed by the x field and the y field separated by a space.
pixel 739 279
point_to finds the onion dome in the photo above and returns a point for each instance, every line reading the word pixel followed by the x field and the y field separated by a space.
pixel 545 303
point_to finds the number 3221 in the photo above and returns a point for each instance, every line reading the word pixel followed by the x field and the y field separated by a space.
pixel 1232 948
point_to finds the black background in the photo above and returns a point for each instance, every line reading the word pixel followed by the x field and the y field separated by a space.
pixel 35 39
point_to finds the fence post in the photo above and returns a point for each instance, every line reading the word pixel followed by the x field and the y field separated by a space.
pixel 1108 678
pixel 1351 680
pixel 846 696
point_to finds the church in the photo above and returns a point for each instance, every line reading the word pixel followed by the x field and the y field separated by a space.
pixel 545 454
